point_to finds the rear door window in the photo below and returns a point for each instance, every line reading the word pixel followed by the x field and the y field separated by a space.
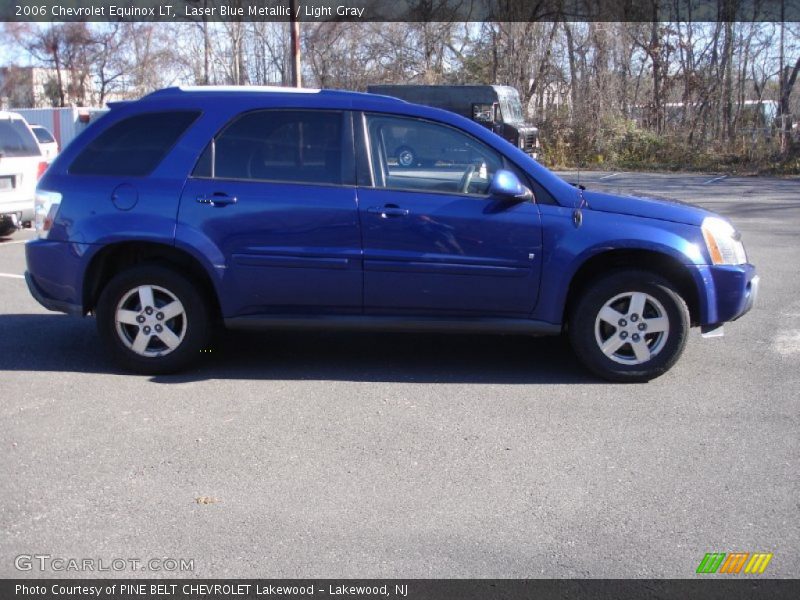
pixel 134 146
pixel 297 146
pixel 16 139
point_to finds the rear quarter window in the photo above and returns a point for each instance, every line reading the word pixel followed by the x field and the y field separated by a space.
pixel 16 139
pixel 43 135
pixel 134 146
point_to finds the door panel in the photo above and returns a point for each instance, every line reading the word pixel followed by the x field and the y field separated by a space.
pixel 434 242
pixel 271 194
pixel 449 254
pixel 288 248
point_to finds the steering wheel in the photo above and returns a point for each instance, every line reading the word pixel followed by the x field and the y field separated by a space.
pixel 466 178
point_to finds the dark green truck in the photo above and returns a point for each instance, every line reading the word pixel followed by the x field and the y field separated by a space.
pixel 497 107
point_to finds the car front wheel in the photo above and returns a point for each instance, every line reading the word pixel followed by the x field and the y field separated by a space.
pixel 152 319
pixel 629 326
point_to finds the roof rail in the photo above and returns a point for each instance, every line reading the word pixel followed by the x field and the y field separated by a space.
pixel 186 91
pixel 117 103
pixel 241 89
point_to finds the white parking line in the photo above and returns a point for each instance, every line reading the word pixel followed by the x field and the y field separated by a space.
pixel 11 275
pixel 715 179
pixel 12 243
pixel 608 176
pixel 787 343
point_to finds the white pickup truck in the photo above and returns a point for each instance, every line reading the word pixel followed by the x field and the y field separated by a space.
pixel 21 166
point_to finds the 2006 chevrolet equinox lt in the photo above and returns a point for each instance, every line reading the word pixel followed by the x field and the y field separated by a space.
pixel 270 207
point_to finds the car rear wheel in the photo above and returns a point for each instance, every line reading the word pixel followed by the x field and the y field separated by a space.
pixel 152 319
pixel 7 227
pixel 629 326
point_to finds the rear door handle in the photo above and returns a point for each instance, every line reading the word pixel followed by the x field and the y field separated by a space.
pixel 388 211
pixel 217 199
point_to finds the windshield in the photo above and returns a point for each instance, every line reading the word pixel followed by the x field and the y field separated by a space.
pixel 16 139
pixel 510 106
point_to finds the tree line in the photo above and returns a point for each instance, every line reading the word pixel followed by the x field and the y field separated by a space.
pixel 648 93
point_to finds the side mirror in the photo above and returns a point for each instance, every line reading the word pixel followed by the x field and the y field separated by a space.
pixel 507 186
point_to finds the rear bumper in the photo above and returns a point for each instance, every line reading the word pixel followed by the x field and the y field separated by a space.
pixel 54 275
pixel 19 202
pixel 51 303
pixel 727 292
pixel 22 213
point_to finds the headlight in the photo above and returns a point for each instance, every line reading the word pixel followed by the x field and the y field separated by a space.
pixel 723 242
pixel 45 208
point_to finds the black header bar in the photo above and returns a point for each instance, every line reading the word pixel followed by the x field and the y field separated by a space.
pixel 401 10
pixel 705 588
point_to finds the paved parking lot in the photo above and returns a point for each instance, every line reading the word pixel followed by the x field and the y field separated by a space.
pixel 364 455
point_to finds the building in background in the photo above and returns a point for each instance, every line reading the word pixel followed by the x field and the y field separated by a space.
pixel 38 87
pixel 33 92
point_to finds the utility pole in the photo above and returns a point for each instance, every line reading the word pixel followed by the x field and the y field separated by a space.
pixel 782 104
pixel 206 51
pixel 297 79
pixel 206 78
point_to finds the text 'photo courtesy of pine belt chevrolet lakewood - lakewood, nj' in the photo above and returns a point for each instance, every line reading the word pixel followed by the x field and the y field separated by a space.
pixel 270 208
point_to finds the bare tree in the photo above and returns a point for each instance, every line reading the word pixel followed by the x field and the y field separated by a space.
pixel 597 86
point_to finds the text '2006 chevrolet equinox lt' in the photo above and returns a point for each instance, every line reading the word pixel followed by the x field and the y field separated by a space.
pixel 269 207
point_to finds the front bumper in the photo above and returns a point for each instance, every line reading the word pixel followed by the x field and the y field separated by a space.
pixel 727 292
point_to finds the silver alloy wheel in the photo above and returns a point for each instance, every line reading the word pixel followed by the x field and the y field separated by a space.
pixel 150 321
pixel 631 328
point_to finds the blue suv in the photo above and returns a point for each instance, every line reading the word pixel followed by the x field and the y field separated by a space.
pixel 275 208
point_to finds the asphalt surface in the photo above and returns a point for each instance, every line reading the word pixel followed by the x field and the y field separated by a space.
pixel 366 455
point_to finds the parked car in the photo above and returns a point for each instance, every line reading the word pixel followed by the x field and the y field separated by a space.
pixel 47 142
pixel 21 165
pixel 272 208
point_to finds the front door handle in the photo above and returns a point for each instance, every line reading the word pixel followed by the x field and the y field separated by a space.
pixel 217 199
pixel 388 211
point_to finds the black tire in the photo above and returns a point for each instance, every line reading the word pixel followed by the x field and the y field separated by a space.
pixel 157 357
pixel 587 330
pixel 7 227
